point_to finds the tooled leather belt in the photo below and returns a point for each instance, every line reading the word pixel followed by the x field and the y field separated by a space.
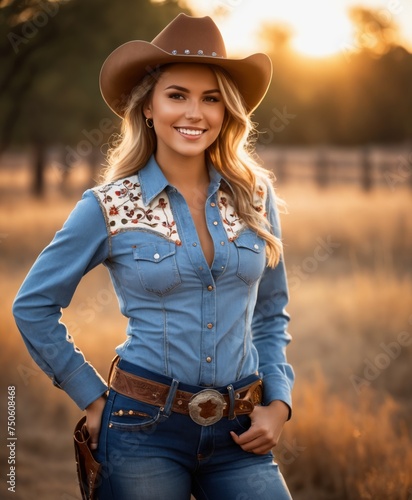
pixel 205 407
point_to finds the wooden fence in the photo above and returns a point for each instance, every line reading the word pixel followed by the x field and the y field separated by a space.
pixel 364 166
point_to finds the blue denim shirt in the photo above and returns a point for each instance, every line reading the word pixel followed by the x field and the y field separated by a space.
pixel 207 326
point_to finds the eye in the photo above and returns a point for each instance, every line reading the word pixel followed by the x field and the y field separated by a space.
pixel 176 96
pixel 212 98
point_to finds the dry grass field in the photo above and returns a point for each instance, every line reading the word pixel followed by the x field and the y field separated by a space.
pixel 349 261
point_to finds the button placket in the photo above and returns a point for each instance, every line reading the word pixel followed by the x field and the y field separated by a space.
pixel 189 236
pixel 219 236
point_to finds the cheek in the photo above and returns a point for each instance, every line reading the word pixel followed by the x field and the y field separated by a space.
pixel 164 110
pixel 217 117
pixel 165 113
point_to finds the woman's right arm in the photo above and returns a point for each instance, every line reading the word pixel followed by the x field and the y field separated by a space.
pixel 78 247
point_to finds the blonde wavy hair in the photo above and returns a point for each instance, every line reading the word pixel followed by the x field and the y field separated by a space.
pixel 232 154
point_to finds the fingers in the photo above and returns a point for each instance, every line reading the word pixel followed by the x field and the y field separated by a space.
pixel 266 427
pixel 94 437
pixel 259 445
pixel 93 446
pixel 94 419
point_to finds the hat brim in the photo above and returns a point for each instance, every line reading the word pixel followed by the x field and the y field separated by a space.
pixel 127 65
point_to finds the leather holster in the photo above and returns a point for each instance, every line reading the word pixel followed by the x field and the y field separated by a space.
pixel 88 470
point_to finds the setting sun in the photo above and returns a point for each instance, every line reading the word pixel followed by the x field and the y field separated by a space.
pixel 318 28
pixel 319 33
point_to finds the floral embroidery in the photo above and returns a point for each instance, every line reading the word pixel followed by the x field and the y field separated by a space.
pixel 259 201
pixel 124 209
pixel 231 220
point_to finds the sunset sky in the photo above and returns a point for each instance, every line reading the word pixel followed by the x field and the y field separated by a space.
pixel 320 27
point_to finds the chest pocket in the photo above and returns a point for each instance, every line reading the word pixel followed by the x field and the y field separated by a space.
pixel 157 268
pixel 251 255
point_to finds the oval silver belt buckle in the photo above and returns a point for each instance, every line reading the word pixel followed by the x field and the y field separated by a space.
pixel 206 407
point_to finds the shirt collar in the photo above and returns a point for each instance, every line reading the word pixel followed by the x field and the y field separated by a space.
pixel 215 179
pixel 152 180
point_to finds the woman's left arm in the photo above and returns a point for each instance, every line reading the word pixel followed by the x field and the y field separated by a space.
pixel 270 336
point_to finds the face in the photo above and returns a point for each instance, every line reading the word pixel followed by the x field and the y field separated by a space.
pixel 187 110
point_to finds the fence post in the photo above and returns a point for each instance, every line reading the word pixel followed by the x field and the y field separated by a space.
pixel 39 166
pixel 322 170
pixel 366 169
pixel 280 167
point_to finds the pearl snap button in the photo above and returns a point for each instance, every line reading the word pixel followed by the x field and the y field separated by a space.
pixel 209 359
pixel 213 204
pixel 256 246
pixel 215 223
pixel 156 256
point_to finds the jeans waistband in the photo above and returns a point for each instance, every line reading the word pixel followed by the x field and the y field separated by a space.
pixel 164 379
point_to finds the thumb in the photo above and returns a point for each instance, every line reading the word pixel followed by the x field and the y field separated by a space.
pixel 94 432
pixel 235 437
pixel 94 439
pixel 93 445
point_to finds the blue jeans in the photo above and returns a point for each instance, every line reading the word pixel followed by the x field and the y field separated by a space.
pixel 162 455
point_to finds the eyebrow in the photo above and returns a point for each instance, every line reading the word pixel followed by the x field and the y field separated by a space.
pixel 183 89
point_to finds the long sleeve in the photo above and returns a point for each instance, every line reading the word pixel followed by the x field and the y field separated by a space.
pixel 269 325
pixel 77 248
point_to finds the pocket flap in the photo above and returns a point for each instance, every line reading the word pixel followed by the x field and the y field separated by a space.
pixel 154 252
pixel 251 241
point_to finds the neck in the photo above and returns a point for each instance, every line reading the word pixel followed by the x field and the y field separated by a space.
pixel 184 172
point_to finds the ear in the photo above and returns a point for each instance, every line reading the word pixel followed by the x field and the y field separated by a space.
pixel 147 109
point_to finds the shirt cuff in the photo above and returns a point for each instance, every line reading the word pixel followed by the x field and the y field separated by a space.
pixel 276 388
pixel 84 385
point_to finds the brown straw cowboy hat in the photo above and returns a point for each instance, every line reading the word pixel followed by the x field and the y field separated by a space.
pixel 185 40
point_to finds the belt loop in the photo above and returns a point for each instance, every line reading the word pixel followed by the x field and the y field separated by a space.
pixel 170 398
pixel 231 393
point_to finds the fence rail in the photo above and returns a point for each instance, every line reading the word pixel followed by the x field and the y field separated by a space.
pixel 364 166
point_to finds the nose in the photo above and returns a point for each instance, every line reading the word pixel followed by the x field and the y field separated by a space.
pixel 193 111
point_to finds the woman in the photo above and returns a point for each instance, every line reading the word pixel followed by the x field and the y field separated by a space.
pixel 187 225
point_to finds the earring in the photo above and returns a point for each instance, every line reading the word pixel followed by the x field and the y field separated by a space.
pixel 149 122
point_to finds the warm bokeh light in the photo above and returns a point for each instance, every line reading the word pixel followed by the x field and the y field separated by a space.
pixel 319 28
pixel 320 31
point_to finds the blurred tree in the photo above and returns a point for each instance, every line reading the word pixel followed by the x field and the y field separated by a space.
pixel 357 97
pixel 374 30
pixel 51 54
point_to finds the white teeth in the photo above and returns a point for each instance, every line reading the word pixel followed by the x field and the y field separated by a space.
pixel 188 131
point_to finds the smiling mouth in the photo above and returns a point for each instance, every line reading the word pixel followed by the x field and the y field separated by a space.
pixel 190 131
